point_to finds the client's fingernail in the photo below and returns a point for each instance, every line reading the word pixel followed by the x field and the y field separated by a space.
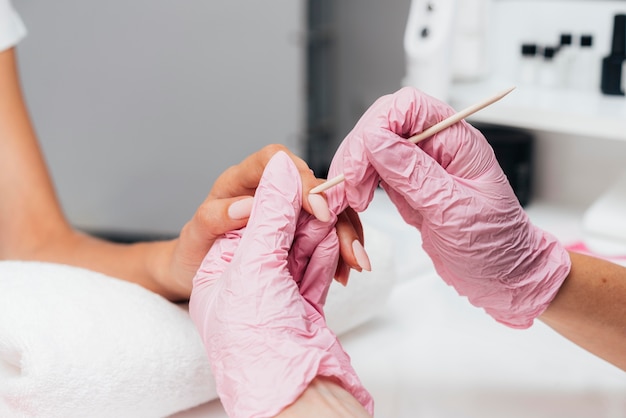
pixel 240 209
pixel 342 274
pixel 361 255
pixel 319 207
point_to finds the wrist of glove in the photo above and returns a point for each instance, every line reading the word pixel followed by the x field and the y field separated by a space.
pixel 453 190
pixel 257 301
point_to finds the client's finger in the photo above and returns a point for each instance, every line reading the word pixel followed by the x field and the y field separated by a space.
pixel 351 245
pixel 243 179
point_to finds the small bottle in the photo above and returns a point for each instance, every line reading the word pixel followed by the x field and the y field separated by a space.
pixel 586 74
pixel 528 65
pixel 548 74
pixel 565 60
pixel 611 82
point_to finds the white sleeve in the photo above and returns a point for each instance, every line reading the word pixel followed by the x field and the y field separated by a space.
pixel 12 30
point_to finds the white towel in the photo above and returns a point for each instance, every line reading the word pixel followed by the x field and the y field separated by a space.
pixel 74 343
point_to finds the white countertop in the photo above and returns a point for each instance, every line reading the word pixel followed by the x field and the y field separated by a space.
pixel 578 113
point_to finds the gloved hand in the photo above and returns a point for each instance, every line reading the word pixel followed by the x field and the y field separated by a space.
pixel 227 207
pixel 258 305
pixel 453 190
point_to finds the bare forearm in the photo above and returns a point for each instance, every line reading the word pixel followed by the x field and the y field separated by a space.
pixel 147 264
pixel 590 308
pixel 29 210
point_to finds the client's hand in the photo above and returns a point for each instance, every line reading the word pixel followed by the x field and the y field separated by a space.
pixel 227 208
pixel 452 189
pixel 257 302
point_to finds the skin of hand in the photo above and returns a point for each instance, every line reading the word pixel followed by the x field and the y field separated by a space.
pixel 34 227
pixel 212 219
pixel 590 308
pixel 452 189
pixel 258 299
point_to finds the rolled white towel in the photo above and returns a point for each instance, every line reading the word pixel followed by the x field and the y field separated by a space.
pixel 74 343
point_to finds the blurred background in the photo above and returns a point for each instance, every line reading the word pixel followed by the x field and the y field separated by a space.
pixel 140 105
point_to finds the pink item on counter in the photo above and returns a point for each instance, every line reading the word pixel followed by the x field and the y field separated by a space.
pixel 453 190
pixel 257 301
pixel 581 247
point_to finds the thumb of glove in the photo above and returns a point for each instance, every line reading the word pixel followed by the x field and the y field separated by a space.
pixel 422 182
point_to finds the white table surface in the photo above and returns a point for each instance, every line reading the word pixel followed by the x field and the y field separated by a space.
pixel 431 354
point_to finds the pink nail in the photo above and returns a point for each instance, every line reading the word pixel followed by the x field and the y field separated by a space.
pixel 241 208
pixel 319 207
pixel 361 255
pixel 343 274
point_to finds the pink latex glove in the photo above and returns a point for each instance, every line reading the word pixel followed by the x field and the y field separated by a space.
pixel 453 190
pixel 258 305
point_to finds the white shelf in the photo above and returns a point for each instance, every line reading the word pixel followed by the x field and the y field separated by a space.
pixel 552 110
pixel 563 222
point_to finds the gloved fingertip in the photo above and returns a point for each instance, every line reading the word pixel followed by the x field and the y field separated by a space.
pixel 280 185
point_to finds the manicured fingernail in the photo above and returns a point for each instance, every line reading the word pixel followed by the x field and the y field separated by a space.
pixel 361 255
pixel 240 209
pixel 319 207
pixel 343 272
